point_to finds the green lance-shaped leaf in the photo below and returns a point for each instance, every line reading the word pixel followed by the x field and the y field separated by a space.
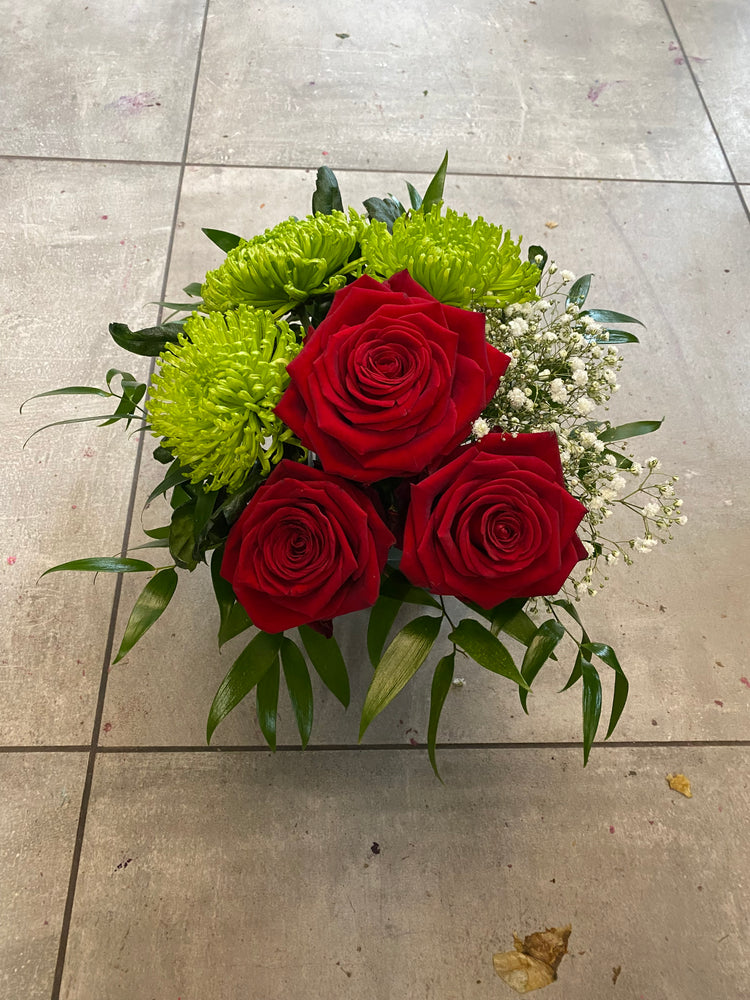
pixel 506 612
pixel 267 702
pixel 224 241
pixel 621 337
pixel 414 196
pixel 69 390
pixel 486 649
pixel 195 288
pixel 520 627
pixel 237 622
pixel 105 418
pixel 400 662
pixel 382 616
pixel 326 657
pixel 578 291
pixel 620 695
pixel 435 188
pixel 539 651
pixel 149 607
pixel 397 586
pixel 252 663
pixel 635 429
pixel 592 702
pixel 441 685
pixel 233 619
pixel 174 476
pixel 607 316
pixel 103 564
pixel 297 679
pixel 148 342
pixel 327 196
pixel 182 537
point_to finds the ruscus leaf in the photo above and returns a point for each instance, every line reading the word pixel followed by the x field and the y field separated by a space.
pixel 607 316
pixel 297 679
pixel 326 657
pixel 243 675
pixel 634 429
pixel 441 685
pixel 103 564
pixel 149 342
pixel 149 607
pixel 434 193
pixel 579 290
pixel 621 337
pixel 267 702
pixel 70 390
pixel 400 662
pixel 382 616
pixel 539 651
pixel 224 241
pixel 620 695
pixel 486 649
pixel 327 196
pixel 592 702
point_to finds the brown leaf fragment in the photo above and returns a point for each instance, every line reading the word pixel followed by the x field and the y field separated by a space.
pixel 679 783
pixel 616 970
pixel 552 225
pixel 533 965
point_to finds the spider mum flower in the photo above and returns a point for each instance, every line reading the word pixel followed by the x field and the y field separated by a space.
pixel 286 264
pixel 214 395
pixel 458 261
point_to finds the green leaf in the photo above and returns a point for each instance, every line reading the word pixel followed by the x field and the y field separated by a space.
pixel 327 197
pixel 163 455
pixel 486 649
pixel 133 393
pixel 621 461
pixel 620 695
pixel 396 585
pixel 237 621
pixel 243 675
pixel 400 662
pixel 385 210
pixel 592 702
pixel 621 337
pixel 607 316
pixel 104 564
pixel 578 291
pixel 149 607
pixel 224 241
pixel 105 417
pixel 195 288
pixel 162 532
pixel 267 702
pixel 506 612
pixel 414 196
pixel 174 476
pixel 382 616
pixel 177 306
pixel 326 657
pixel 537 251
pixel 297 679
pixel 520 627
pixel 70 390
pixel 434 193
pixel 441 685
pixel 149 342
pixel 635 429
pixel 223 592
pixel 540 649
pixel 182 537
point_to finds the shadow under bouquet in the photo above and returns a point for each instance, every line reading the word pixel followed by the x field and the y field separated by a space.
pixel 372 411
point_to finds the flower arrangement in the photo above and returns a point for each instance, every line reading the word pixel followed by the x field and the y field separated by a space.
pixel 366 411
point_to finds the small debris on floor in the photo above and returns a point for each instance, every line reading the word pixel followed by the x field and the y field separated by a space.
pixel 616 970
pixel 375 847
pixel 533 965
pixel 552 225
pixel 679 783
pixel 458 682
pixel 341 34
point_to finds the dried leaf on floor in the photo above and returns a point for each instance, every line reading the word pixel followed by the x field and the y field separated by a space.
pixel 533 965
pixel 616 970
pixel 552 225
pixel 679 783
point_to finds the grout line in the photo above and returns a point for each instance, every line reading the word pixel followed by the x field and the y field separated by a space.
pixel 86 795
pixel 375 170
pixel 400 747
pixel 694 78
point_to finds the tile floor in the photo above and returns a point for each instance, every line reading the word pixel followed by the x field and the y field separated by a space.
pixel 134 863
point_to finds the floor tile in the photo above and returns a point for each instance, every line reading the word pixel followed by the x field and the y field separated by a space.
pixel 104 80
pixel 588 89
pixel 675 617
pixel 85 245
pixel 38 821
pixel 715 35
pixel 343 875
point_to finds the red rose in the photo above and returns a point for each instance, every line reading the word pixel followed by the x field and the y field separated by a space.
pixel 307 547
pixel 390 380
pixel 495 522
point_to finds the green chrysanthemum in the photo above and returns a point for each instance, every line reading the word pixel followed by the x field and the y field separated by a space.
pixel 214 395
pixel 458 261
pixel 286 264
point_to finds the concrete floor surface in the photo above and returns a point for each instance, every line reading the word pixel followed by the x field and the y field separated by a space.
pixel 135 864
